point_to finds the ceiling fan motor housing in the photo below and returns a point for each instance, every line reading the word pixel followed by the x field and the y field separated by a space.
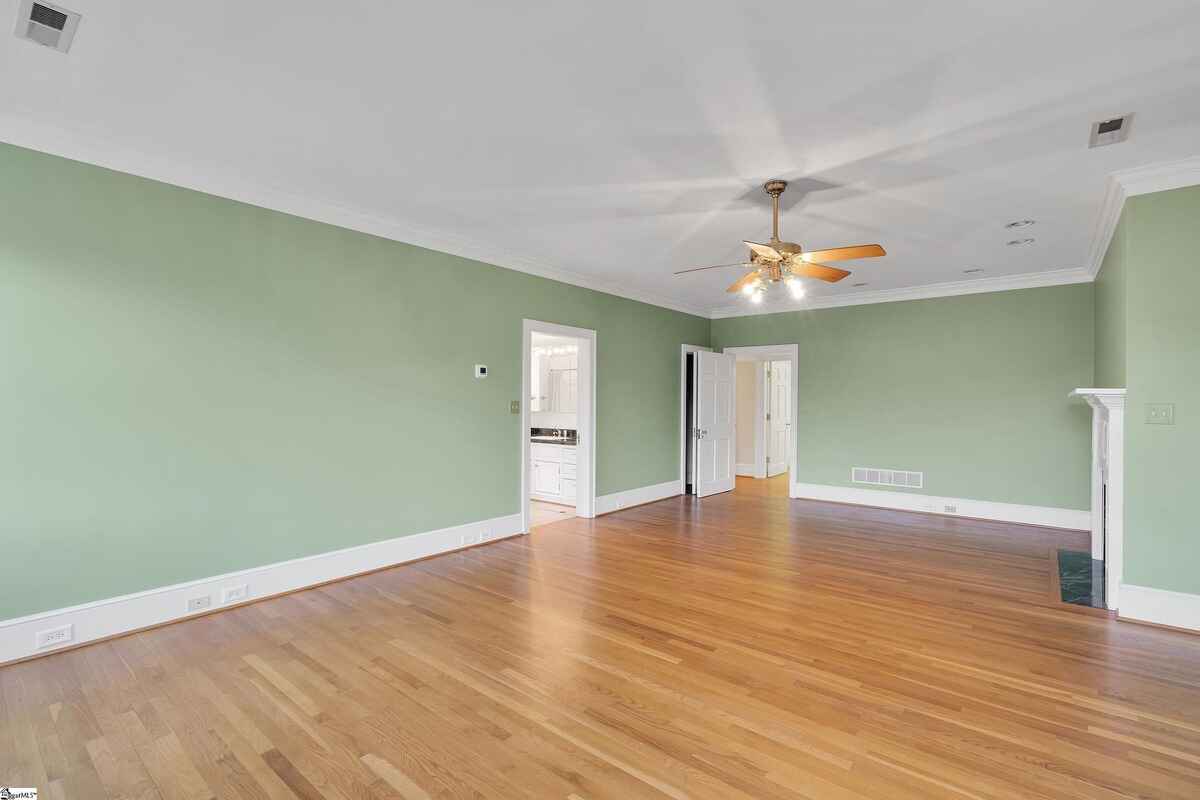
pixel 775 187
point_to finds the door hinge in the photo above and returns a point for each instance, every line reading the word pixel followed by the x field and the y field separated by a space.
pixel 768 416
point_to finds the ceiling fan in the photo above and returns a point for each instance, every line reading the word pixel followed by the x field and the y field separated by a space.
pixel 787 262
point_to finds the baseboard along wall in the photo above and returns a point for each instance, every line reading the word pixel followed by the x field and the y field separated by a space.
pixel 49 631
pixel 1159 606
pixel 1047 516
pixel 46 632
pixel 606 504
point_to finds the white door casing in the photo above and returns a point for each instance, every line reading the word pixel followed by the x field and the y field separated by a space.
pixel 715 393
pixel 791 354
pixel 585 388
pixel 780 421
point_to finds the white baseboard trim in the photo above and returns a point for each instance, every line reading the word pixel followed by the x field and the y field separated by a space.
pixel 1047 516
pixel 102 619
pixel 746 471
pixel 1160 606
pixel 606 504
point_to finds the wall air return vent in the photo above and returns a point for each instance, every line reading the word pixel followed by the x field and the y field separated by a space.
pixel 1110 131
pixel 899 478
pixel 46 24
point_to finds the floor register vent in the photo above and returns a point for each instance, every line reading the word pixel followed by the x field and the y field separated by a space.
pixel 888 477
pixel 46 24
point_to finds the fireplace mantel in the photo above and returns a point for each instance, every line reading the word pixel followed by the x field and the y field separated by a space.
pixel 1108 469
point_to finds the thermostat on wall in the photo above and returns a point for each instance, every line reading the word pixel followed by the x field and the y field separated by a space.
pixel 481 370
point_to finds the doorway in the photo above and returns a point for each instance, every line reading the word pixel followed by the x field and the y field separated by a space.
pixel 557 423
pixel 764 417
pixel 761 404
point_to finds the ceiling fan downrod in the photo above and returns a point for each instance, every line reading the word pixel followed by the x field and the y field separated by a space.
pixel 775 187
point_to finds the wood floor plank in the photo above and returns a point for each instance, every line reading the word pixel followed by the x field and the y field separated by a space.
pixel 741 646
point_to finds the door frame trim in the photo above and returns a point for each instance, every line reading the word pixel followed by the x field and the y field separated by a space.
pixel 683 434
pixel 585 449
pixel 778 352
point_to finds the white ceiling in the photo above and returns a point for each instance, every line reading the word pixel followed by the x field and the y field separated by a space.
pixel 614 142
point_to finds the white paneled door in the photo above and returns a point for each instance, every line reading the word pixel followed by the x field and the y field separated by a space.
pixel 714 423
pixel 779 423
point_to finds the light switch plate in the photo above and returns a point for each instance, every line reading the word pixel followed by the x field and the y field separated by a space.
pixel 1160 413
pixel 515 407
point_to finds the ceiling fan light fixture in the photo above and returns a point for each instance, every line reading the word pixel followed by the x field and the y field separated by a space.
pixel 785 262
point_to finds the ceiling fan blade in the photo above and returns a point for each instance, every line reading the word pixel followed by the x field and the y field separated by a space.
pixel 742 281
pixel 765 251
pixel 844 253
pixel 715 266
pixel 819 271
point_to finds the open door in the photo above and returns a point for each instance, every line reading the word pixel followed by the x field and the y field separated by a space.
pixel 779 416
pixel 714 423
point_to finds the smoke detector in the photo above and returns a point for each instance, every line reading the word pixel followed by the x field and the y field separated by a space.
pixel 46 24
pixel 1110 131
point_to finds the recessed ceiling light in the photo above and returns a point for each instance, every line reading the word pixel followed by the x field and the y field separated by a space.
pixel 1021 242
pixel 972 270
pixel 864 283
pixel 1021 223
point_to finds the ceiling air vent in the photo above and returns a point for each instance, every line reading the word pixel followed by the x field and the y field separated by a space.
pixel 1110 131
pixel 46 24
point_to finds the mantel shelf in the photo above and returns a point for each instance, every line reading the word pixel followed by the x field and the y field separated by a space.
pixel 1109 398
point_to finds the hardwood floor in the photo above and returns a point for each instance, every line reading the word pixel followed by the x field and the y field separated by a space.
pixel 743 646
pixel 542 513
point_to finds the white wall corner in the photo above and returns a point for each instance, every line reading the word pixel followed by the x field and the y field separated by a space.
pixel 102 619
pixel 1046 516
pixel 606 504
pixel 1159 606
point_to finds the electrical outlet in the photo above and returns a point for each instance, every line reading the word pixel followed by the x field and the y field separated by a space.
pixel 199 603
pixel 951 509
pixel 54 636
pixel 1160 413
pixel 235 594
pixel 469 539
pixel 514 407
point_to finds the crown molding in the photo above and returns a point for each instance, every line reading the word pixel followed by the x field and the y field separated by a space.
pixel 95 149
pixel 1159 177
pixel 22 132
pixel 1123 184
pixel 1027 280
pixel 1106 225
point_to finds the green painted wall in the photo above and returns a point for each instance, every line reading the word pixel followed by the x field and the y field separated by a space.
pixel 190 385
pixel 971 390
pixel 1111 299
pixel 1162 535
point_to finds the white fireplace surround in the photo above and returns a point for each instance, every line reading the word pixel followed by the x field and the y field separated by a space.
pixel 1108 469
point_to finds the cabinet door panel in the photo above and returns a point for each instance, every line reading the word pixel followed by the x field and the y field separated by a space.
pixel 545 477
